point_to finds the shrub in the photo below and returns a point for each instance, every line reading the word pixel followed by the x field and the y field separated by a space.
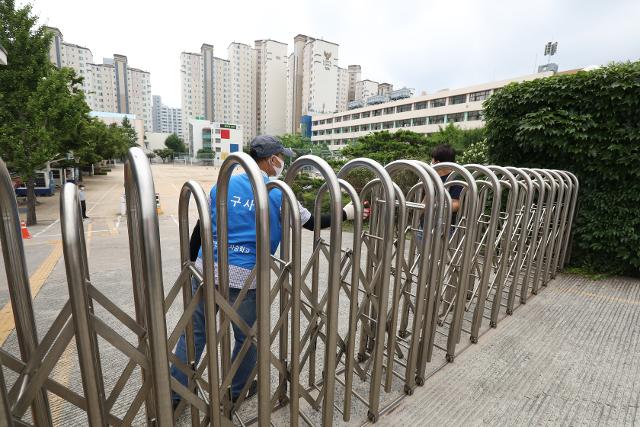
pixel 586 123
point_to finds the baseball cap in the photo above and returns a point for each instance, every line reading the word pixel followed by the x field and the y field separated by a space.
pixel 268 145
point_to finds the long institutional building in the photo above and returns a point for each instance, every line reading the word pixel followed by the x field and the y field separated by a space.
pixel 112 86
pixel 424 114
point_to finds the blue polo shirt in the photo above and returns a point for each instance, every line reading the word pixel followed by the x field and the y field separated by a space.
pixel 242 223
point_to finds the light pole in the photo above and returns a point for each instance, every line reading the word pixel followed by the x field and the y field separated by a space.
pixel 549 50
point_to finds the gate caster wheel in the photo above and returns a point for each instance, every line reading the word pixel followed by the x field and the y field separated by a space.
pixel 509 312
pixel 408 390
pixel 420 381
pixel 474 340
pixel 450 358
pixel 493 324
pixel 372 417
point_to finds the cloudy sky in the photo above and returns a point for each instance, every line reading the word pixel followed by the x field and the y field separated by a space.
pixel 424 44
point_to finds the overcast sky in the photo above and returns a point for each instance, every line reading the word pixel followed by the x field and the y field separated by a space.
pixel 423 44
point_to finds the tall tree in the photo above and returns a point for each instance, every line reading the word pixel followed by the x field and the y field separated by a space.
pixel 174 143
pixel 42 109
pixel 129 133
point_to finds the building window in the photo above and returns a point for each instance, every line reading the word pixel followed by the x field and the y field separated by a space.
pixel 420 105
pixel 355 128
pixel 420 121
pixel 376 126
pixel 387 125
pixel 458 99
pixel 390 110
pixel 366 114
pixel 403 108
pixel 475 115
pixel 355 116
pixel 403 123
pixel 440 102
pixel 329 121
pixel 479 96
pixel 434 120
pixel 377 113
pixel 455 117
pixel 365 127
pixel 346 129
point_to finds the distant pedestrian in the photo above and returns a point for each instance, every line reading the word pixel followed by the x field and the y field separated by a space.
pixel 83 202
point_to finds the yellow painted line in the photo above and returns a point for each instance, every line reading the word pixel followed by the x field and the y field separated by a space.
pixel 37 279
pixel 61 375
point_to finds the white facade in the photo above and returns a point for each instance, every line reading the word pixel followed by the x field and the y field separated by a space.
pixel 290 125
pixel 312 79
pixel 112 86
pixel 166 119
pixel 139 96
pixel 221 138
pixel 320 78
pixel 191 88
pixel 3 56
pixel 222 90
pixel 424 114
pixel 155 140
pixel 271 87
pixel 242 72
pixel 342 91
pixel 365 89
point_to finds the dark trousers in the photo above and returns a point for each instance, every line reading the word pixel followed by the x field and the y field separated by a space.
pixel 83 206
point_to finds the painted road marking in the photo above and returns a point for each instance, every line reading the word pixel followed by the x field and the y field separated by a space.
pixel 46 228
pixel 37 279
pixel 65 362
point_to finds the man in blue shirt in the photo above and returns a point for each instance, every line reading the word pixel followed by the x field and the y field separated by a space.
pixel 269 154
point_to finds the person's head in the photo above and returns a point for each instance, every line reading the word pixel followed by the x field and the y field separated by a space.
pixel 443 153
pixel 269 154
pixel 81 187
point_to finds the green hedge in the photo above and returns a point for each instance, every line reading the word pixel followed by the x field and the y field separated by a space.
pixel 587 123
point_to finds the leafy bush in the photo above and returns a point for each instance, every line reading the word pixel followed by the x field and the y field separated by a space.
pixel 586 123
pixel 477 153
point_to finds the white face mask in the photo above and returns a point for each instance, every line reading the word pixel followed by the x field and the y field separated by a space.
pixel 278 169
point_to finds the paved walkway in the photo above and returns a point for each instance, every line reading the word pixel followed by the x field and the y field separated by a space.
pixel 568 357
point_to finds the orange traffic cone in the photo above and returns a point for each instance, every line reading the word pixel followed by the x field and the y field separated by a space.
pixel 25 230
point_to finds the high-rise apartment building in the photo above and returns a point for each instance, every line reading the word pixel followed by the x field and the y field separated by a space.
pixel 342 90
pixel 271 87
pixel 385 88
pixel 365 89
pixel 355 75
pixel 221 90
pixel 242 74
pixel 191 88
pixel 312 85
pixel 166 119
pixel 112 86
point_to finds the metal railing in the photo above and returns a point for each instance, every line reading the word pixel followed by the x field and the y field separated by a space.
pixel 410 283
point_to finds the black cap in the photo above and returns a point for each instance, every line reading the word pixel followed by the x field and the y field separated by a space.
pixel 268 145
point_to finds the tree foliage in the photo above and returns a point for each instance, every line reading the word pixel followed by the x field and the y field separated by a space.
pixel 164 153
pixel 42 109
pixel 175 144
pixel 586 123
